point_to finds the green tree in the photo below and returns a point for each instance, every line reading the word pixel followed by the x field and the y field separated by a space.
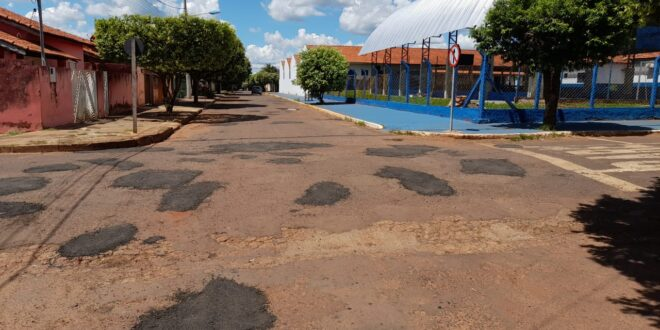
pixel 321 70
pixel 268 75
pixel 174 46
pixel 552 35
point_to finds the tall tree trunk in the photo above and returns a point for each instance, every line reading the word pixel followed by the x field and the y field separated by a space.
pixel 195 87
pixel 167 92
pixel 551 88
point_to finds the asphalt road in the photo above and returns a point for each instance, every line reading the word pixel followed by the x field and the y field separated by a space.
pixel 264 213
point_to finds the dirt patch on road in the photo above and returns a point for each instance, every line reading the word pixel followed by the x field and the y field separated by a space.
pixel 99 241
pixel 285 122
pixel 285 161
pixel 264 147
pixel 491 167
pixel 419 182
pixel 52 168
pixel 189 197
pixel 401 151
pixel 222 304
pixel 14 209
pixel 16 185
pixel 156 179
pixel 324 193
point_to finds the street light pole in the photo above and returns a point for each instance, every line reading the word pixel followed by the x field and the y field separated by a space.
pixel 185 7
pixel 41 35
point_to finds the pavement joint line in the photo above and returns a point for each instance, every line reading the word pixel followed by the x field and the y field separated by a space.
pixel 586 172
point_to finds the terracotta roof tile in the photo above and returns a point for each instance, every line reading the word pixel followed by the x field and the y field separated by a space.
pixel 31 47
pixel 34 25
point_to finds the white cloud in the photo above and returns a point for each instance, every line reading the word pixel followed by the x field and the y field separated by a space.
pixel 65 16
pixel 357 16
pixel 122 7
pixel 277 47
pixel 254 29
pixel 363 16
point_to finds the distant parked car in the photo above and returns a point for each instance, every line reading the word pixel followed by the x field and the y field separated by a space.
pixel 257 90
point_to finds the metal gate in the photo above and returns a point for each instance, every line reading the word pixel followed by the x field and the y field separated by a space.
pixel 85 102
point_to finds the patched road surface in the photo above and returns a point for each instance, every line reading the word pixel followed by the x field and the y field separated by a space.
pixel 263 213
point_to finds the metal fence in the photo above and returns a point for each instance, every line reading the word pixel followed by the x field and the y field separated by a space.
pixel 622 84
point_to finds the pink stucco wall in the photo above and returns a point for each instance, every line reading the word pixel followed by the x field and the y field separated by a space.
pixel 56 98
pixel 20 101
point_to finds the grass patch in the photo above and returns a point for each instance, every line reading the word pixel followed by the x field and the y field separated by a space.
pixel 397 132
pixel 419 100
pixel 14 133
pixel 360 123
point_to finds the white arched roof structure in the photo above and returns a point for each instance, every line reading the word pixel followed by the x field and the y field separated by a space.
pixel 426 18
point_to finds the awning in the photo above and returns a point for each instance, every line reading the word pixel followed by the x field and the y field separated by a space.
pixel 426 18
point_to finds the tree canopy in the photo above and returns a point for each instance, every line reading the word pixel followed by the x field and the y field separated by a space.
pixel 173 46
pixel 321 70
pixel 553 35
pixel 267 75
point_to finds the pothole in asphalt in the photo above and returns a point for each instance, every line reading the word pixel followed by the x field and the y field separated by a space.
pixel 16 185
pixel 98 241
pixel 284 122
pixel 153 240
pixel 291 154
pixel 125 165
pixel 245 156
pixel 491 167
pixel 264 147
pixel 419 182
pixel 222 304
pixel 156 179
pixel 324 193
pixel 52 168
pixel 196 160
pixel 401 151
pixel 285 161
pixel 189 197
pixel 14 209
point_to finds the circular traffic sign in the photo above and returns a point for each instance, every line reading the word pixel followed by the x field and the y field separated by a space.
pixel 454 55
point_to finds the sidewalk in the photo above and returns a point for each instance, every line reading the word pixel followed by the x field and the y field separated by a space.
pixel 154 125
pixel 424 124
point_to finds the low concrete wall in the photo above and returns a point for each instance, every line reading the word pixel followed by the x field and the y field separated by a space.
pixel 513 116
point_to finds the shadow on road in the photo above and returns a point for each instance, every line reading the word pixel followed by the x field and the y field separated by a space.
pixel 209 118
pixel 232 106
pixel 628 233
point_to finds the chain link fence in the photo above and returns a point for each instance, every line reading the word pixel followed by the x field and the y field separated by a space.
pixel 619 84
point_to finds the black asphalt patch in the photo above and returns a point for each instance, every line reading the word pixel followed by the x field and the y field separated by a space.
pixel 284 122
pixel 156 179
pixel 153 240
pixel 14 209
pixel 508 146
pixel 189 197
pixel 324 193
pixel 491 167
pixel 264 147
pixel 401 151
pixel 225 119
pixel 222 304
pixel 159 149
pixel 245 156
pixel 98 241
pixel 16 185
pixel 196 160
pixel 52 168
pixel 291 154
pixel 419 182
pixel 285 161
pixel 395 139
pixel 125 165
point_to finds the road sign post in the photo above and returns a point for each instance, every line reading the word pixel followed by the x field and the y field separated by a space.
pixel 454 57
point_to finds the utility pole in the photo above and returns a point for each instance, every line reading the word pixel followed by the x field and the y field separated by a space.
pixel 41 35
pixel 185 7
pixel 134 84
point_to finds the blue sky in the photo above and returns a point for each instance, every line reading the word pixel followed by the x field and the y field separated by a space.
pixel 270 29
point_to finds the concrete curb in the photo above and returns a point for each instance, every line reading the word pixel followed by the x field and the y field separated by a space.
pixel 457 135
pixel 128 142
pixel 335 114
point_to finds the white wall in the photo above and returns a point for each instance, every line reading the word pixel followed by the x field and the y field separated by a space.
pixel 287 77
